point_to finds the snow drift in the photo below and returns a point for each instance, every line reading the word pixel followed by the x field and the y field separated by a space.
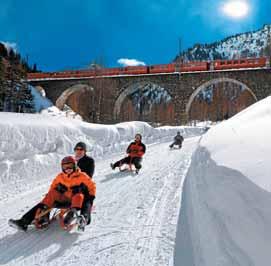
pixel 225 216
pixel 33 144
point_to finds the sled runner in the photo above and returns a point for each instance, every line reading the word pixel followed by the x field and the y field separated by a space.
pixel 68 222
pixel 128 168
pixel 175 147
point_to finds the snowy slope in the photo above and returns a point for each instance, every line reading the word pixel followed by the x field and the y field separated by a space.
pixel 250 44
pixel 135 216
pixel 226 215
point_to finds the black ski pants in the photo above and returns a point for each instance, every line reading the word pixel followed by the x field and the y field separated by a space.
pixel 136 161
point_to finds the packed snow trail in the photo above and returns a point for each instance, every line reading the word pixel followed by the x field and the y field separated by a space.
pixel 134 221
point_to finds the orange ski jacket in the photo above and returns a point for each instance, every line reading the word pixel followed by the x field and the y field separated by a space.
pixel 75 179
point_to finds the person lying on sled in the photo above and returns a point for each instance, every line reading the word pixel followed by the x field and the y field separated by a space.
pixel 70 189
pixel 135 152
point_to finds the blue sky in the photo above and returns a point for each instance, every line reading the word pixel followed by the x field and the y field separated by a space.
pixel 63 34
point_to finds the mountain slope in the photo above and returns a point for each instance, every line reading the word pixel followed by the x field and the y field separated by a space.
pixel 249 44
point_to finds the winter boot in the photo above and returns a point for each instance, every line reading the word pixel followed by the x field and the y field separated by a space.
pixel 18 224
pixel 70 216
pixel 81 221
pixel 112 166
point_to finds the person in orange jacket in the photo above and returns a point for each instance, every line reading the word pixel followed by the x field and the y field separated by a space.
pixel 71 189
pixel 135 152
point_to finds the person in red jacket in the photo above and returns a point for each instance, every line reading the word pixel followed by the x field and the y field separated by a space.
pixel 135 152
pixel 70 189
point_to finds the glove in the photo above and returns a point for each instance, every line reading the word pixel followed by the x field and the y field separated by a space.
pixel 82 188
pixel 91 199
pixel 61 188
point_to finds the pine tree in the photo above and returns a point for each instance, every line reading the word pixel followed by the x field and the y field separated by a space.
pixel 2 84
pixel 18 97
pixel 24 102
pixel 267 49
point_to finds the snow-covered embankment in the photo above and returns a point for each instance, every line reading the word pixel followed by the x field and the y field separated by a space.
pixel 225 215
pixel 31 146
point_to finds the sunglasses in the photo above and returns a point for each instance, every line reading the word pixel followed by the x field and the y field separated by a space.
pixel 67 166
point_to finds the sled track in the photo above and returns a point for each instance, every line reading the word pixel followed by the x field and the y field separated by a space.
pixel 134 221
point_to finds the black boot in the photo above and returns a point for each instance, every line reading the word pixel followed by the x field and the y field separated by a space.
pixel 18 224
pixel 86 209
pixel 112 166
pixel 81 221
pixel 70 216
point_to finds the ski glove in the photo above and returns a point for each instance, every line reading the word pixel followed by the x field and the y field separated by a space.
pixel 91 199
pixel 61 188
pixel 82 188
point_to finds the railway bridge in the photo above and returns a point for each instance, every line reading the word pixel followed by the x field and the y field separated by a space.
pixel 162 98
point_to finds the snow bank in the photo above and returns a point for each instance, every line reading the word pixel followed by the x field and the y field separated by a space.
pixel 243 143
pixel 45 106
pixel 40 101
pixel 66 112
pixel 226 204
pixel 33 144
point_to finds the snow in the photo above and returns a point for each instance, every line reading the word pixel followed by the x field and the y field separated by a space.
pixel 44 106
pixel 225 213
pixel 40 101
pixel 10 46
pixel 207 204
pixel 135 216
pixel 240 144
pixel 148 95
pixel 249 44
pixel 66 112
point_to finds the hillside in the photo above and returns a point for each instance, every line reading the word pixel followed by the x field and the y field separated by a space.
pixel 249 44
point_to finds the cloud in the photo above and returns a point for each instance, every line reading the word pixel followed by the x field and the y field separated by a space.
pixel 130 62
pixel 10 45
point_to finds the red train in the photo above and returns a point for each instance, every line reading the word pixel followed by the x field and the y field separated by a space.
pixel 156 69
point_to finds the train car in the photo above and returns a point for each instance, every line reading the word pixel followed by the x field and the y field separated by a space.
pixel 108 72
pixel 38 75
pixel 194 66
pixel 129 70
pixel 240 63
pixel 166 68
pixel 84 73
